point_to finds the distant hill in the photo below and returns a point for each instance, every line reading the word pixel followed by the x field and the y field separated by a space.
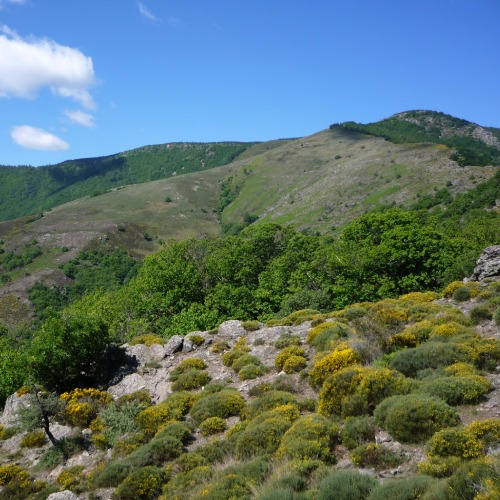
pixel 474 145
pixel 27 190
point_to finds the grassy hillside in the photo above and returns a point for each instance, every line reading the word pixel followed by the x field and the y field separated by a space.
pixel 473 144
pixel 28 190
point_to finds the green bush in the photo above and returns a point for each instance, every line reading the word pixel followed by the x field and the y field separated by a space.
pixel 286 353
pixel 268 401
pixel 375 455
pixel 152 418
pixel 345 485
pixel 461 294
pixel 480 313
pixel 185 366
pixel 244 360
pixel 409 488
pixel 33 439
pixel 192 379
pixel 197 340
pixel 286 340
pixel 145 483
pixel 177 430
pixel 415 417
pixel 358 430
pixel 433 354
pixel 251 326
pixel 212 425
pixel 225 403
pixel 310 437
pixel 179 403
pixel 250 372
pixel 496 316
pixel 294 364
pixel 457 390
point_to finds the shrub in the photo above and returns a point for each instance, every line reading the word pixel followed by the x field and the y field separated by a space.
pixel 219 346
pixel 69 479
pixel 496 316
pixel 473 287
pixel 487 430
pixel 358 430
pixel 353 312
pixel 185 366
pixel 269 400
pixel 15 482
pixel 152 418
pixel 225 403
pixel 179 403
pixel 83 405
pixel 287 340
pixel 325 325
pixel 359 391
pixel 112 474
pixel 197 340
pixel 457 442
pixel 251 326
pixel 294 364
pixel 341 357
pixel 33 439
pixel 192 379
pixel 310 437
pixel 181 485
pixel 145 483
pixel 439 466
pixel 250 372
pixel 345 485
pixel 212 425
pixel 432 354
pixel 215 451
pixel 480 313
pixel 457 390
pixel 177 430
pixel 415 417
pixel 461 294
pixel 286 353
pixel 375 455
pixel 244 360
pixel 239 349
pixel 148 339
pixel 409 488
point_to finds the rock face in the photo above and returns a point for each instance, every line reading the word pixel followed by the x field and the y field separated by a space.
pixel 488 265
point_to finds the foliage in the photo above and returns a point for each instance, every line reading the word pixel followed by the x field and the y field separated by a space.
pixel 375 455
pixel 144 483
pixel 192 379
pixel 287 353
pixel 414 418
pixel 457 390
pixel 408 488
pixel 147 340
pixel 212 425
pixel 345 485
pixel 358 430
pixel 223 404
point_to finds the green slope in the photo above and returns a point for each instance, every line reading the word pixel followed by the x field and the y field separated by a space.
pixel 27 190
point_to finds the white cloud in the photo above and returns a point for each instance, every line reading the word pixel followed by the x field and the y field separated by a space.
pixel 36 138
pixel 81 118
pixel 26 65
pixel 145 12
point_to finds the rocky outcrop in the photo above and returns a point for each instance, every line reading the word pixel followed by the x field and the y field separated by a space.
pixel 488 264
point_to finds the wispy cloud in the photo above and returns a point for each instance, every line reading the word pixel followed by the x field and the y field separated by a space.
pixel 81 118
pixel 145 12
pixel 3 3
pixel 26 65
pixel 37 138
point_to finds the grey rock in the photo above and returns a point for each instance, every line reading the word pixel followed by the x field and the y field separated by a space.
pixel 140 352
pixel 231 329
pixel 187 346
pixel 174 345
pixel 488 264
pixel 63 495
pixel 12 406
pixel 129 384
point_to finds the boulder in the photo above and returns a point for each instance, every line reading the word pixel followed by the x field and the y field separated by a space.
pixel 12 406
pixel 63 495
pixel 488 264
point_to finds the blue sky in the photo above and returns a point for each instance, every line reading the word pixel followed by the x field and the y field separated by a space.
pixel 85 78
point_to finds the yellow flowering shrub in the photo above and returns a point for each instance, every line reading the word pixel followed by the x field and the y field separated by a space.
pixel 419 297
pixel 197 340
pixel 389 312
pixel 33 439
pixel 70 478
pixel 152 418
pixel 310 437
pixel 401 340
pixel 219 346
pixel 238 350
pixel 487 430
pixel 341 357
pixel 147 339
pixel 473 287
pixel 448 329
pixel 212 425
pixel 16 482
pixel 294 364
pixel 326 325
pixel 461 369
pixel 455 441
pixel 286 353
pixel 82 405
pixel 439 466
pixel 145 482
